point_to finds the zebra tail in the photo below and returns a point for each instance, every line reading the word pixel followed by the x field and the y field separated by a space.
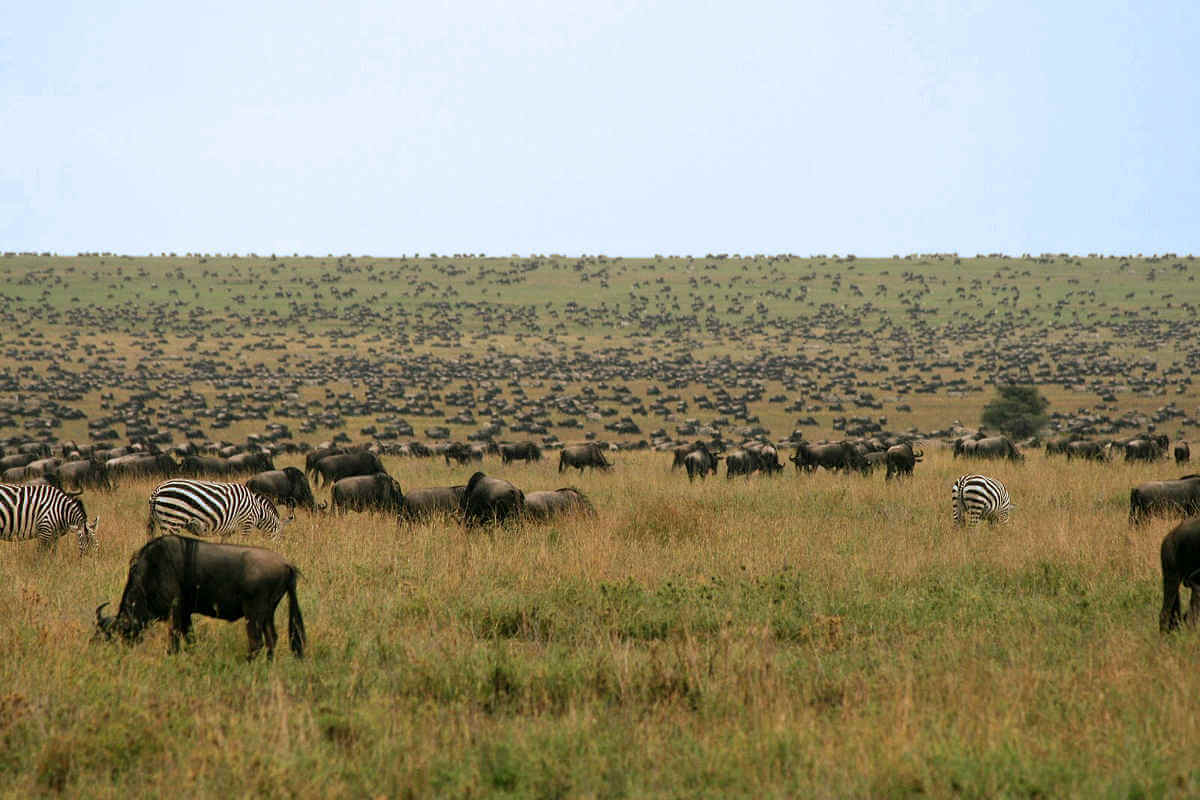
pixel 296 634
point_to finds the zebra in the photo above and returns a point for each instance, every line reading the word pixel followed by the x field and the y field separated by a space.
pixel 204 507
pixel 978 497
pixel 44 511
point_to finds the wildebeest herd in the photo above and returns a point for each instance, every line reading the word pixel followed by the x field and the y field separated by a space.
pixel 173 577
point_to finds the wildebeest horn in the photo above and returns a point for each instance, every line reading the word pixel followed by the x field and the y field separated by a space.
pixel 99 608
pixel 322 506
pixel 72 494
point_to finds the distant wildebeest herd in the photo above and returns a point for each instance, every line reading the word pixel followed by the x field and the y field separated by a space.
pixel 173 576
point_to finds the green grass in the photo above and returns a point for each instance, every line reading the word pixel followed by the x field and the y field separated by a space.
pixel 804 635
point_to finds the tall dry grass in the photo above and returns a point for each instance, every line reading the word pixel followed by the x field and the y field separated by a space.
pixel 817 635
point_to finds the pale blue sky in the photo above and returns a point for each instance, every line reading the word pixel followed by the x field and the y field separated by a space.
pixel 602 127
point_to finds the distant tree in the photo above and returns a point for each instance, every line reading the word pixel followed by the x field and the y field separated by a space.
pixel 1016 411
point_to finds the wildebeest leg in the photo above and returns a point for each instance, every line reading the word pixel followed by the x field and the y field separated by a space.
pixel 254 635
pixel 181 625
pixel 1168 618
pixel 270 634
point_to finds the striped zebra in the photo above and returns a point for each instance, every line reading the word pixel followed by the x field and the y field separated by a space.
pixel 44 511
pixel 205 507
pixel 978 497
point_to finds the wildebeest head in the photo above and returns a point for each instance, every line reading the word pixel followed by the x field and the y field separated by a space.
pixel 145 598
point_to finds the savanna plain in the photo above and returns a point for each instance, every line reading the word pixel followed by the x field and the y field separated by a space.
pixel 819 635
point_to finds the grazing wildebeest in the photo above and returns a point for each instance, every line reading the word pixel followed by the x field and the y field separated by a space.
pixel 141 465
pixel 489 499
pixel 995 447
pixel 332 469
pixel 84 474
pixel 177 576
pixel 520 451
pixel 378 492
pixel 837 455
pixel 588 454
pixel 1183 453
pixel 313 456
pixel 1088 451
pixel 544 505
pixel 462 452
pixel 284 485
pixel 258 461
pixel 1058 445
pixel 195 466
pixel 901 460
pixel 425 502
pixel 1180 497
pixel 1180 555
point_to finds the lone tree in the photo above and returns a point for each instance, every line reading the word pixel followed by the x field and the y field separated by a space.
pixel 1017 411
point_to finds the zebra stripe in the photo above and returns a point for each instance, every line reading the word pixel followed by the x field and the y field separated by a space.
pixel 44 511
pixel 977 498
pixel 205 507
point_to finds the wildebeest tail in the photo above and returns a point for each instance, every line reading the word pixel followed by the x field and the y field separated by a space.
pixel 296 634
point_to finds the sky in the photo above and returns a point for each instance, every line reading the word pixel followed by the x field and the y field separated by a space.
pixel 621 128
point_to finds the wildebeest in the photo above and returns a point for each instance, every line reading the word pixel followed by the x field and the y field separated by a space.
pixel 1181 497
pixel 837 455
pixel 141 465
pixel 332 469
pixel 740 462
pixel 196 466
pixel 996 447
pixel 313 456
pixel 1180 555
pixel 1088 451
pixel 488 499
pixel 588 454
pixel 1183 453
pixel 520 451
pixel 902 460
pixel 544 505
pixel 284 485
pixel 700 462
pixel 427 501
pixel 1058 445
pixel 462 452
pixel 177 576
pixel 1147 448
pixel 377 492
pixel 84 474
pixel 257 461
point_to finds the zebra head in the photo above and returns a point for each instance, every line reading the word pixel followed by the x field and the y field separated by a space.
pixel 269 518
pixel 87 535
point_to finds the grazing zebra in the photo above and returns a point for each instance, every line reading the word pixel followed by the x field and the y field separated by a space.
pixel 46 512
pixel 204 507
pixel 978 497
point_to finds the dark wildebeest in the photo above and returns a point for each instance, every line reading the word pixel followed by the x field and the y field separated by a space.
pixel 588 454
pixel 85 475
pixel 378 492
pixel 996 447
pixel 520 451
pixel 313 456
pixel 765 455
pixel 284 485
pixel 1088 451
pixel 204 466
pixel 740 462
pixel 425 502
pixel 1183 453
pixel 838 455
pixel 177 576
pixel 1147 448
pixel 902 460
pixel 1058 445
pixel 544 505
pixel 332 469
pixel 141 465
pixel 875 459
pixel 700 462
pixel 1180 497
pixel 258 461
pixel 1180 554
pixel 490 500
pixel 462 452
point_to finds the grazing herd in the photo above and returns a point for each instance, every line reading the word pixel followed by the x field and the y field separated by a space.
pixel 173 577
